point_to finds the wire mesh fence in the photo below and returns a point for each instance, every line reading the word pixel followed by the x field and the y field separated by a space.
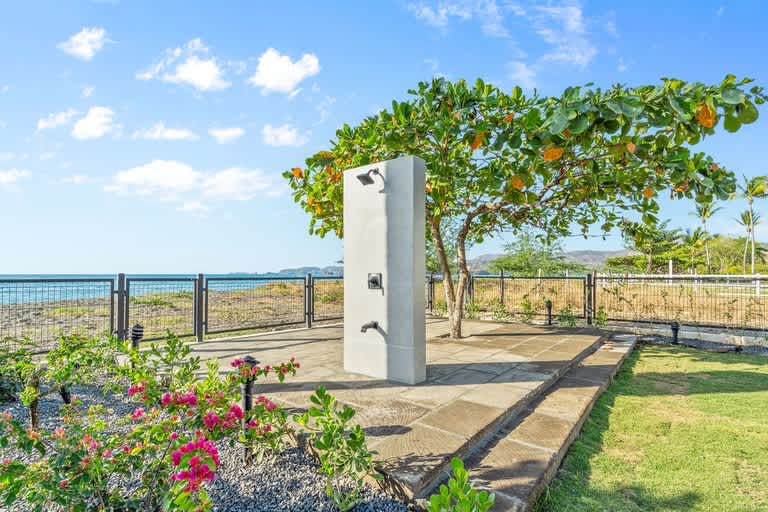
pixel 327 298
pixel 241 303
pixel 161 304
pixel 739 302
pixel 524 296
pixel 43 309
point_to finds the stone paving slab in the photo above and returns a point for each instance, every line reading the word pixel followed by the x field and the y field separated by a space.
pixel 524 456
pixel 473 387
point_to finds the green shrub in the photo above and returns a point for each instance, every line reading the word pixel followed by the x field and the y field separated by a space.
pixel 566 317
pixel 499 311
pixel 527 313
pixel 459 495
pixel 601 317
pixel 339 447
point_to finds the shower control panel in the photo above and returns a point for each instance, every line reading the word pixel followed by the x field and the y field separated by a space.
pixel 374 281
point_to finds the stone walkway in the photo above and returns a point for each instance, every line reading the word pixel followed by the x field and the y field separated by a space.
pixel 474 388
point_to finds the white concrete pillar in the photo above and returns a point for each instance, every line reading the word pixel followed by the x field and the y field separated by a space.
pixel 384 234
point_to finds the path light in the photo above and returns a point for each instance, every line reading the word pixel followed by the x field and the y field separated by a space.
pixel 137 333
pixel 549 311
pixel 366 178
pixel 675 326
pixel 246 390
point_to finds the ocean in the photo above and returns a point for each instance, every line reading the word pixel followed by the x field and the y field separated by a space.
pixel 36 288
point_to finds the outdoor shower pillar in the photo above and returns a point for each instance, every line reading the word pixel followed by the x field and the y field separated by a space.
pixel 384 270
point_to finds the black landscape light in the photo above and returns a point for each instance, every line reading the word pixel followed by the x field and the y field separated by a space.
pixel 366 178
pixel 246 391
pixel 137 333
pixel 675 326
pixel 549 312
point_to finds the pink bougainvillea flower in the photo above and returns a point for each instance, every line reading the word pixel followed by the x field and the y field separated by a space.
pixel 211 420
pixel 138 413
pixel 237 362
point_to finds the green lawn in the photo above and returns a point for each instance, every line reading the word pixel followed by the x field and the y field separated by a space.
pixel 679 430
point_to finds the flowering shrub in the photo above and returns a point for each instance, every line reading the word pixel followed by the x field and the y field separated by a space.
pixel 159 456
pixel 340 448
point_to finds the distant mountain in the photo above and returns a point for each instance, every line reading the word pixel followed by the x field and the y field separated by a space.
pixel 330 271
pixel 590 258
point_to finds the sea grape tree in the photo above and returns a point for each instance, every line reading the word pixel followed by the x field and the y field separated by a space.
pixel 499 161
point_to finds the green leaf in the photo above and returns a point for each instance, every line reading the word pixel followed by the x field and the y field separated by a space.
pixel 578 125
pixel 557 122
pixel 732 96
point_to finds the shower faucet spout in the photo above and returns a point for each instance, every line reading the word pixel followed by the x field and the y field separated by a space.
pixel 370 325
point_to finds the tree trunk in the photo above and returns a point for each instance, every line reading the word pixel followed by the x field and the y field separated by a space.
pixel 746 248
pixel 752 226
pixel 453 303
pixel 706 248
pixel 649 262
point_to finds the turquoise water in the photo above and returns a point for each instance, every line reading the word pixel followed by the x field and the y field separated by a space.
pixel 28 288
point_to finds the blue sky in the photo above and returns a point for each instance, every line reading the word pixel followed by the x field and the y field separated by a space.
pixel 140 136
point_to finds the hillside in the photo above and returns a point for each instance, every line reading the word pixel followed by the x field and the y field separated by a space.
pixel 591 258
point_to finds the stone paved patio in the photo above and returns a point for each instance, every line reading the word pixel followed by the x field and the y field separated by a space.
pixel 473 386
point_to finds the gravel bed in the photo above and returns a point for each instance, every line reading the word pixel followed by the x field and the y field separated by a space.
pixel 287 482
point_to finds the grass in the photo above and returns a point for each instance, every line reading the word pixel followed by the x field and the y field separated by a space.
pixel 679 430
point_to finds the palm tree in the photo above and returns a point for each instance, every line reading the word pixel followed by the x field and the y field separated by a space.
pixel 748 220
pixel 704 212
pixel 751 189
pixel 694 240
pixel 649 239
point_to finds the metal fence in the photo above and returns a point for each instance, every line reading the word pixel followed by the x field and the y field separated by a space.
pixel 517 295
pixel 739 302
pixel 718 301
pixel 43 309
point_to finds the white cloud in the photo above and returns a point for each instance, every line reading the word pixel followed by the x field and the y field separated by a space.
pixel 87 91
pixel 284 135
pixel 7 156
pixel 56 119
pixel 77 179
pixel 9 178
pixel 522 74
pixel 4 89
pixel 720 10
pixel 167 178
pixel 160 132
pixel 564 28
pixel 225 135
pixel 488 12
pixel 622 66
pixel 235 184
pixel 188 64
pixel 170 180
pixel 277 73
pixel 47 156
pixel 86 43
pixel 98 122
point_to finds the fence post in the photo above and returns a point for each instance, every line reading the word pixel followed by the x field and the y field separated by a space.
pixel 431 291
pixel 121 300
pixel 309 293
pixel 200 290
pixel 588 306
pixel 501 286
pixel 471 288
